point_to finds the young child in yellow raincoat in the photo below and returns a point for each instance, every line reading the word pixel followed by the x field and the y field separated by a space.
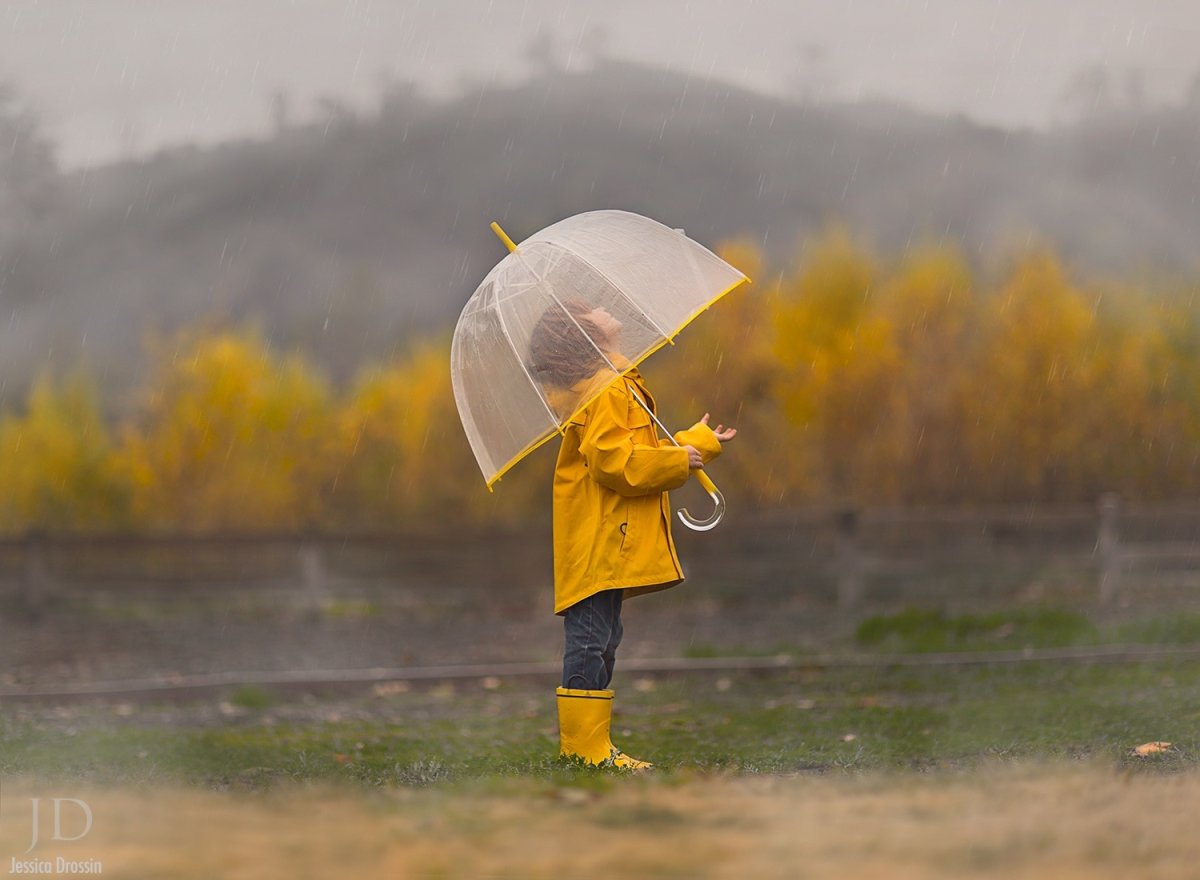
pixel 612 519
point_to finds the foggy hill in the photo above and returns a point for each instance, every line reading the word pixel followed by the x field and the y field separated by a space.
pixel 342 239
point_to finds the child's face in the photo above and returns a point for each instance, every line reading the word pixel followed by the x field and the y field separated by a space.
pixel 607 324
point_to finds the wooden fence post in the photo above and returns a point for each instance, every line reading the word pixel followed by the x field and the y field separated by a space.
pixel 1108 547
pixel 312 574
pixel 849 563
pixel 38 582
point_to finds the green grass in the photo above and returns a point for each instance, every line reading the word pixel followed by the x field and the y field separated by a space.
pixel 252 697
pixel 1175 629
pixel 917 630
pixel 924 631
pixel 920 630
pixel 801 721
pixel 350 609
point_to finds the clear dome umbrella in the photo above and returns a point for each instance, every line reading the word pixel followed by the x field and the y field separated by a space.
pixel 652 279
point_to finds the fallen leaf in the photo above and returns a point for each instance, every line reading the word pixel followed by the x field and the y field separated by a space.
pixel 573 795
pixel 1152 748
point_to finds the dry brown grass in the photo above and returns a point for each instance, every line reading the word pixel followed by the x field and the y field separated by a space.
pixel 1012 821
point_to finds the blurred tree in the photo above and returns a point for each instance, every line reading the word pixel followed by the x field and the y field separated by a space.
pixel 1191 97
pixel 542 53
pixel 932 308
pixel 848 380
pixel 281 111
pixel 839 360
pixel 595 43
pixel 1170 358
pixel 404 452
pixel 231 437
pixel 725 364
pixel 1032 413
pixel 1088 93
pixel 28 170
pixel 57 467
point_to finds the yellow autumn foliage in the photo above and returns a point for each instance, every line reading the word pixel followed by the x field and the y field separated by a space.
pixel 838 360
pixel 850 379
pixel 932 309
pixel 57 466
pixel 401 457
pixel 1028 429
pixel 404 457
pixel 230 436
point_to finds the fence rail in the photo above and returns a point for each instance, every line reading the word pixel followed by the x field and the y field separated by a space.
pixel 847 550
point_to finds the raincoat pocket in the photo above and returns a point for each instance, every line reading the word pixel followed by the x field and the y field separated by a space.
pixel 636 417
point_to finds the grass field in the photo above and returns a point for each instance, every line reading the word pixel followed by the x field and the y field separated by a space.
pixel 1008 771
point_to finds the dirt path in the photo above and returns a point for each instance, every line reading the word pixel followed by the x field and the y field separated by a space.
pixel 1012 821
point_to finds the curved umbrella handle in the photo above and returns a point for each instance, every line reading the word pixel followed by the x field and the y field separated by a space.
pixel 696 525
pixel 703 525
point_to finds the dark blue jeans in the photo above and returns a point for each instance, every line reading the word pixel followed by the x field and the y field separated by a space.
pixel 593 631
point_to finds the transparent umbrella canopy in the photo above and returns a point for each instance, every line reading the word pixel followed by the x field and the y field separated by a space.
pixel 652 279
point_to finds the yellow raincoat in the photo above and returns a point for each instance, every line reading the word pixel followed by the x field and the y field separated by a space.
pixel 612 519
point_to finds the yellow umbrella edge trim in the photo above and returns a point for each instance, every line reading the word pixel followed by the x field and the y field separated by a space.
pixel 561 429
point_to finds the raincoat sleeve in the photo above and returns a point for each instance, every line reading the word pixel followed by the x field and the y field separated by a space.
pixel 616 462
pixel 703 438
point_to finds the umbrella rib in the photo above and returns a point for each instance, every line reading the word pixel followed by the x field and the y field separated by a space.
pixel 603 356
pixel 637 308
pixel 513 348
pixel 541 282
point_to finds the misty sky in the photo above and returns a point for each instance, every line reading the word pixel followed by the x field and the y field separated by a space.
pixel 112 78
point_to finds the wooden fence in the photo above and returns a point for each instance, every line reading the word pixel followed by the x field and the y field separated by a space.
pixel 848 556
pixel 1114 542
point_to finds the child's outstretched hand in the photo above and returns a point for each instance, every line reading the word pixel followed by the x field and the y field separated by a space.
pixel 723 434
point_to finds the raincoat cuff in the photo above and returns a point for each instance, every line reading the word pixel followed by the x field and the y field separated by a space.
pixel 702 437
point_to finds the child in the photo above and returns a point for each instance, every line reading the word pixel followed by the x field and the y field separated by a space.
pixel 612 520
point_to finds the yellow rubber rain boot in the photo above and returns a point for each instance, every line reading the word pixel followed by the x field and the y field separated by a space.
pixel 583 729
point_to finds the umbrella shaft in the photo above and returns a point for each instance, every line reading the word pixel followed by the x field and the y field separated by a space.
pixel 650 413
pixel 699 525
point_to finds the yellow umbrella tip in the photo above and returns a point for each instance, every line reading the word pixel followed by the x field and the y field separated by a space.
pixel 500 233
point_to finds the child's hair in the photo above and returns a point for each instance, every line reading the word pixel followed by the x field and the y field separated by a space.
pixel 561 355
